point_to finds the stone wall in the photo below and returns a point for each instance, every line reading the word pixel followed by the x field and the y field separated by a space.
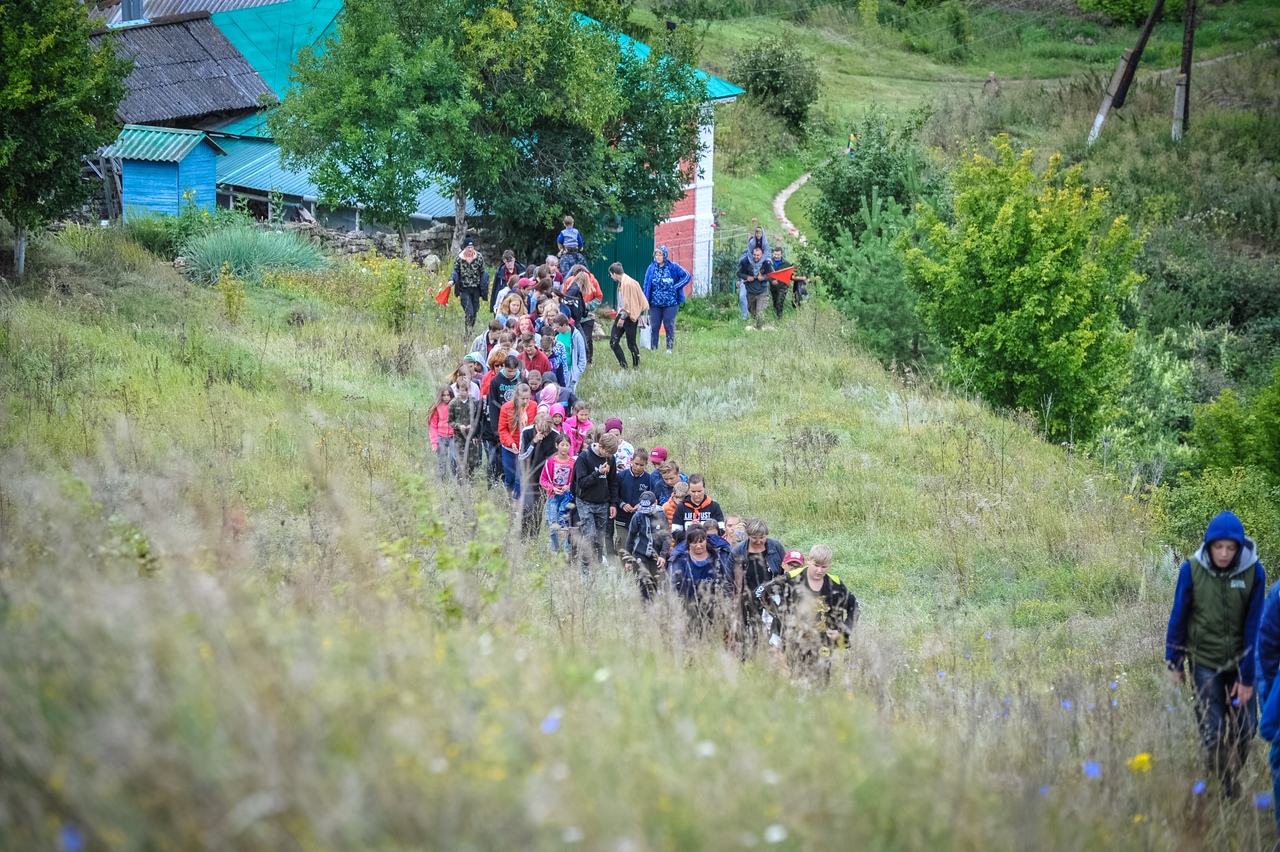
pixel 426 247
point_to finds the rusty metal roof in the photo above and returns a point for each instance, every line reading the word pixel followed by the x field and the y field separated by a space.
pixel 157 144
pixel 184 68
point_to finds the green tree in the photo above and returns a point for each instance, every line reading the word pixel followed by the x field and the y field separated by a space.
pixel 527 107
pixel 1025 287
pixel 863 277
pixel 781 76
pixel 1229 433
pixel 58 100
pixel 888 160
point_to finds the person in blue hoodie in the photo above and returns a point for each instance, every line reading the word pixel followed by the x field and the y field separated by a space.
pixel 1213 631
pixel 664 283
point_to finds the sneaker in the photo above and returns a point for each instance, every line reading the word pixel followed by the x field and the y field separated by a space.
pixel 604 560
pixel 668 351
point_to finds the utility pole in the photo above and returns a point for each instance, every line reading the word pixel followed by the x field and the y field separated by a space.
pixel 1182 91
pixel 1119 88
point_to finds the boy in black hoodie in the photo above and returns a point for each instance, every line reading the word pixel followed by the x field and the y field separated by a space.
pixel 697 507
pixel 595 493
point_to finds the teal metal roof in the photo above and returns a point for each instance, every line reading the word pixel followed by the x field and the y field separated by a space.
pixel 269 37
pixel 157 144
pixel 717 89
pixel 255 164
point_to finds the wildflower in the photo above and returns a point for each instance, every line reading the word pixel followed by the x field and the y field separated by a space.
pixel 1112 685
pixel 572 834
pixel 770 777
pixel 1262 800
pixel 601 675
pixel 942 674
pixel 705 748
pixel 1066 704
pixel 1092 769
pixel 1139 762
pixel 551 724
pixel 986 635
pixel 72 838
pixel 1197 788
pixel 775 833
pixel 1044 790
pixel 1115 703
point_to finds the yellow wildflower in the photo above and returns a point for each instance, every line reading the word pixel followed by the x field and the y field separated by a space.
pixel 1139 762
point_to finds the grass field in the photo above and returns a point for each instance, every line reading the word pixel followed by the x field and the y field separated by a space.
pixel 261 622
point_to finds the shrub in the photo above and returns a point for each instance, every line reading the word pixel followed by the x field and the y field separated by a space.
pixel 1025 288
pixel 248 253
pixel 749 139
pixel 1120 11
pixel 105 248
pixel 233 295
pixel 167 235
pixel 863 277
pixel 1230 434
pixel 781 76
pixel 888 161
pixel 1247 491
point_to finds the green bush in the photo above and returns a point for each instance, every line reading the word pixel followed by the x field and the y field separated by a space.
pixel 888 161
pixel 248 253
pixel 749 138
pixel 863 277
pixel 781 75
pixel 1247 491
pixel 1120 11
pixel 1230 434
pixel 1024 289
pixel 166 235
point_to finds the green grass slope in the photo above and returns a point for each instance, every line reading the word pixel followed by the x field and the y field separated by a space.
pixel 240 612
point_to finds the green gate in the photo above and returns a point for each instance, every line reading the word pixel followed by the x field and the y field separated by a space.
pixel 632 246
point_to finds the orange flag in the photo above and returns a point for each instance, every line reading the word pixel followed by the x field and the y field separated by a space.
pixel 442 298
pixel 783 275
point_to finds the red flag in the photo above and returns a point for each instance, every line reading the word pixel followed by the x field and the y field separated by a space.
pixel 442 298
pixel 783 275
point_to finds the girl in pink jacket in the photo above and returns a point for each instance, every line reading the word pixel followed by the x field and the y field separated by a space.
pixel 442 433
pixel 577 426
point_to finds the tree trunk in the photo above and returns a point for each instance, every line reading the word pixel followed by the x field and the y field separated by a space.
pixel 403 232
pixel 459 217
pixel 20 249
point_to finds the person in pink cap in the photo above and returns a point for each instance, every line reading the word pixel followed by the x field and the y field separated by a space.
pixel 657 456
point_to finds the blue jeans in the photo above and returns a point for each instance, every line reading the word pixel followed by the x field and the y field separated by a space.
pixel 742 299
pixel 511 471
pixel 1225 731
pixel 558 520
pixel 664 316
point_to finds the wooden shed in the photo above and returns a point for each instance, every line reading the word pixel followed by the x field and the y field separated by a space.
pixel 162 167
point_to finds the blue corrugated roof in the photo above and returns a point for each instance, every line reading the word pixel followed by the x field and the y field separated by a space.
pixel 255 164
pixel 271 36
pixel 157 144
pixel 717 89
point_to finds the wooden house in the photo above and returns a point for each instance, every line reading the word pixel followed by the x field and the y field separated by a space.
pixel 163 168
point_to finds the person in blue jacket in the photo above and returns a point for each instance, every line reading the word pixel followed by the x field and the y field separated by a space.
pixel 1213 631
pixel 664 283
pixel 701 572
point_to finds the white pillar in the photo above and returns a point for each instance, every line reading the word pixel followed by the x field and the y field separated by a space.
pixel 703 207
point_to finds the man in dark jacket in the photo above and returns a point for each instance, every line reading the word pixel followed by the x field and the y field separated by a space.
pixel 1213 630
pixel 470 279
pixel 753 275
pixel 778 289
pixel 595 493
pixel 697 507
pixel 809 613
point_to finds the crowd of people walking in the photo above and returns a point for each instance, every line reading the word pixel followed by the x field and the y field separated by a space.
pixel 510 416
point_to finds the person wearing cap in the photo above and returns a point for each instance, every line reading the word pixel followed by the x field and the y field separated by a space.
pixel 808 613
pixel 647 544
pixel 469 279
pixel 1213 631
pixel 625 450
pixel 657 456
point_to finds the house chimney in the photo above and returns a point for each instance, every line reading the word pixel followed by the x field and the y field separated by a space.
pixel 131 10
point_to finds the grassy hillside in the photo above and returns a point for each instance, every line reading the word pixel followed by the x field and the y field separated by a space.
pixel 910 61
pixel 240 611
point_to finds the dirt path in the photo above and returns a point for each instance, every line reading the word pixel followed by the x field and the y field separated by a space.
pixel 780 207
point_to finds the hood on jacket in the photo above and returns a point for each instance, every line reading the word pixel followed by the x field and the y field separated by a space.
pixel 666 257
pixel 557 408
pixel 1227 526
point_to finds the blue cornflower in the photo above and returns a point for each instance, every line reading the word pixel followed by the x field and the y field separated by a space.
pixel 1091 769
pixel 1197 788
